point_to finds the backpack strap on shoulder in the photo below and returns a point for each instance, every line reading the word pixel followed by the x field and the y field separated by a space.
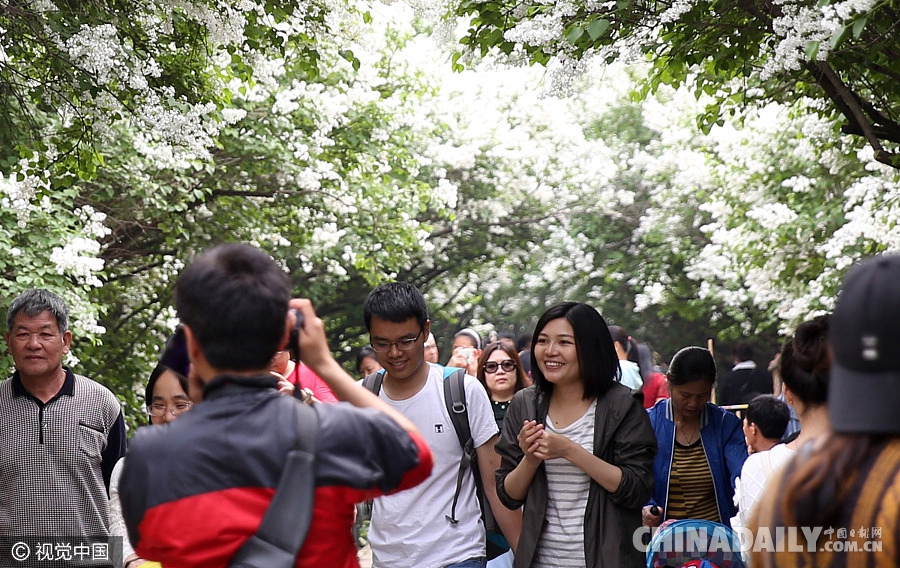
pixel 373 381
pixel 289 515
pixel 455 399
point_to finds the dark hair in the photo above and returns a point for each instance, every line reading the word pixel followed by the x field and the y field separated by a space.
pixel 770 414
pixel 645 360
pixel 508 336
pixel 619 335
pixel 471 334
pixel 154 377
pixel 805 361
pixel 395 302
pixel 597 358
pixel 816 488
pixel 629 345
pixel 691 364
pixel 365 353
pixel 234 298
pixel 36 301
pixel 511 351
pixel 742 350
pixel 523 341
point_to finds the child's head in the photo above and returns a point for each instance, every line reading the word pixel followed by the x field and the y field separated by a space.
pixel 765 422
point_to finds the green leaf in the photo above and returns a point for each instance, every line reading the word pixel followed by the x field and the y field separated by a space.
pixel 574 34
pixel 838 36
pixel 812 48
pixel 858 26
pixel 597 28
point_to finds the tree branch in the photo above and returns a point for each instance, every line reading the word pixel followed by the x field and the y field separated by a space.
pixel 847 103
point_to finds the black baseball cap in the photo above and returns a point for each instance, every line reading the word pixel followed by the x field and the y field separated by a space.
pixel 864 336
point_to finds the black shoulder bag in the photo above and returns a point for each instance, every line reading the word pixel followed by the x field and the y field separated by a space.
pixel 289 515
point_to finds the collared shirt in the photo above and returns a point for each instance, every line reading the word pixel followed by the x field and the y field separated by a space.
pixel 56 458
pixel 744 365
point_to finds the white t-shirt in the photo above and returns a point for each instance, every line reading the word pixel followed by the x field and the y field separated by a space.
pixel 756 475
pixel 409 528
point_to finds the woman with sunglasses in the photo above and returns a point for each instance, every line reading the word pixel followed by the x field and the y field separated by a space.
pixel 500 371
pixel 577 449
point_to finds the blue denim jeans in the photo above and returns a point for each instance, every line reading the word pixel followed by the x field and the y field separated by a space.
pixel 479 562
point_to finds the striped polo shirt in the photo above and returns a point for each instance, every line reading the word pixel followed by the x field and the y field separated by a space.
pixel 692 494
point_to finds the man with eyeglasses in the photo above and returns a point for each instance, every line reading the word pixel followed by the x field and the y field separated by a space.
pixel 415 528
pixel 61 434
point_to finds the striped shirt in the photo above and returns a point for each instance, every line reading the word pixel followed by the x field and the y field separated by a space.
pixel 692 494
pixel 561 543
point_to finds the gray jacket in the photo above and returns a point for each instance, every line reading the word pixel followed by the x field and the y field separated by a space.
pixel 623 437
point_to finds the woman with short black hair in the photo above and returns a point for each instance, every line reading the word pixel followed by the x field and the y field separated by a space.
pixel 576 449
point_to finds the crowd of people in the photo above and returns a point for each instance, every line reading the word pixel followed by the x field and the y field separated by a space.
pixel 552 451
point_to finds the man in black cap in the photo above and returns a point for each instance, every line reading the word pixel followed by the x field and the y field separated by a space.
pixel 849 481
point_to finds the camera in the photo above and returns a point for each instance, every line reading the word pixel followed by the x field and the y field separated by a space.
pixel 294 341
pixel 468 353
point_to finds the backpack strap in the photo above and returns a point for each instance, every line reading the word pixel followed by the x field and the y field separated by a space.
pixel 287 519
pixel 373 381
pixel 455 399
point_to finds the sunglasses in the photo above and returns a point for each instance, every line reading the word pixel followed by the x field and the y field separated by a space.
pixel 491 366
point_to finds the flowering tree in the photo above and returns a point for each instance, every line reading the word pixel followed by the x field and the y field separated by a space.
pixel 348 175
pixel 342 143
pixel 745 230
pixel 845 52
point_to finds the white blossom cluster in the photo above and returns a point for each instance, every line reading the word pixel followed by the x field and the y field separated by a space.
pixel 803 23
pixel 19 188
pixel 78 259
pixel 543 29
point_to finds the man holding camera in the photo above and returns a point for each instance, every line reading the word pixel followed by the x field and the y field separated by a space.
pixel 195 490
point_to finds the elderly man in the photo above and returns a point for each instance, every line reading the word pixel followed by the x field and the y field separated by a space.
pixel 62 434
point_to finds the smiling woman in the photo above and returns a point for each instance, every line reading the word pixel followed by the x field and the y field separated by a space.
pixel 591 438
pixel 500 371
pixel 166 398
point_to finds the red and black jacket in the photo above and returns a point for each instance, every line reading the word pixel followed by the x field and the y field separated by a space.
pixel 192 491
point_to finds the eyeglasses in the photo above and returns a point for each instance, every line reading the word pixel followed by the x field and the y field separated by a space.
pixel 159 410
pixel 492 366
pixel 402 344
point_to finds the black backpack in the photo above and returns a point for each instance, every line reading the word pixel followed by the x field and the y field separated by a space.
pixel 455 399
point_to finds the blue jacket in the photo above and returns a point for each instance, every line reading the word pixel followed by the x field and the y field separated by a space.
pixel 723 443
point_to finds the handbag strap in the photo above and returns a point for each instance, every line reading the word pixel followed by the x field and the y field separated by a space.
pixel 289 515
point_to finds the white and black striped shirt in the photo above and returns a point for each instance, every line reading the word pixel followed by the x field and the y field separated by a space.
pixel 561 543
